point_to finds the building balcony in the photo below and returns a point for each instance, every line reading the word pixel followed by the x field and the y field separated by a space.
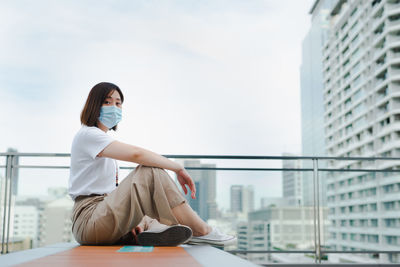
pixel 394 88
pixel 393 23
pixel 395 105
pixel 394 72
pixel 392 7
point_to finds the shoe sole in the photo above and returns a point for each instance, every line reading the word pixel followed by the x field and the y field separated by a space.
pixel 212 242
pixel 170 237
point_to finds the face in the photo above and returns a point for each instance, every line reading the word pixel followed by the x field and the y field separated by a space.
pixel 113 99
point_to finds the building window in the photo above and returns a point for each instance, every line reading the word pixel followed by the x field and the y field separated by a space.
pixel 373 238
pixel 354 11
pixel 343 210
pixel 389 205
pixel 391 240
pixel 353 237
pixel 344 236
pixel 373 207
pixel 363 223
pixel 390 222
pixel 351 209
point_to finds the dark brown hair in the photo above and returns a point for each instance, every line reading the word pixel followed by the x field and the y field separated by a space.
pixel 91 111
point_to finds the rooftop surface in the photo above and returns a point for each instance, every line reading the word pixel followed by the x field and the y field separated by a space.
pixel 71 254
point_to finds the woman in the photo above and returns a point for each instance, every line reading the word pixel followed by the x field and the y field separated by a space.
pixel 147 207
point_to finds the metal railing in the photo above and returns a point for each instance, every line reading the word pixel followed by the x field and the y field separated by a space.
pixel 11 165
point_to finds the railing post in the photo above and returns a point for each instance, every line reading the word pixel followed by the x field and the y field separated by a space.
pixel 318 212
pixel 7 179
pixel 12 171
pixel 317 232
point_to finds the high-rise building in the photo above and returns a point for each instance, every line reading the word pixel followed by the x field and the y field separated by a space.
pixel 312 105
pixel 292 182
pixel 242 198
pixel 236 198
pixel 361 69
pixel 205 180
pixel 248 199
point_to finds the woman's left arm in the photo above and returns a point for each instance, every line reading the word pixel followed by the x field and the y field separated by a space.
pixel 121 151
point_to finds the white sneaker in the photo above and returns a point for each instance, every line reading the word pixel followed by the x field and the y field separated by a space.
pixel 215 237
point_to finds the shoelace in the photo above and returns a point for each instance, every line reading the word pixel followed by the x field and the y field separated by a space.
pixel 217 232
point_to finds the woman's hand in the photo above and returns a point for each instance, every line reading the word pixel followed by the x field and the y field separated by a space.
pixel 136 231
pixel 185 179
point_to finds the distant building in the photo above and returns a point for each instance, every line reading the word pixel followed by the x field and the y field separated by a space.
pixel 26 223
pixel 291 226
pixel 278 228
pixel 57 192
pixel 44 220
pixel 292 182
pixel 267 202
pixel 242 198
pixel 57 224
pixel 205 180
pixel 254 236
pixel 35 205
pixel 236 198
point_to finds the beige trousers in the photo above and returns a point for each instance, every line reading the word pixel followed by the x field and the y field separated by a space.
pixel 108 219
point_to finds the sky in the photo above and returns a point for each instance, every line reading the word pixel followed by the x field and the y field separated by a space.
pixel 199 77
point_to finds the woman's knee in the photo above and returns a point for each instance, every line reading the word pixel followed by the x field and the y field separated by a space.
pixel 145 175
pixel 150 169
pixel 146 171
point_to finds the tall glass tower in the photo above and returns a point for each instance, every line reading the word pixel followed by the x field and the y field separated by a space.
pixel 312 105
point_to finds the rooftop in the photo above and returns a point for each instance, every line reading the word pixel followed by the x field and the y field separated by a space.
pixel 71 254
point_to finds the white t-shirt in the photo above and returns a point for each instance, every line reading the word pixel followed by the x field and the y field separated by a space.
pixel 90 174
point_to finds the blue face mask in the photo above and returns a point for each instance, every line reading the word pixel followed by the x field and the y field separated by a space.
pixel 110 116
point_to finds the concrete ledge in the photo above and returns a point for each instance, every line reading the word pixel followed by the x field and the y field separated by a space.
pixel 72 254
pixel 210 256
pixel 24 256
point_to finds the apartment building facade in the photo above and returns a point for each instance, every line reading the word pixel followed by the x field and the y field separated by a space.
pixel 361 70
